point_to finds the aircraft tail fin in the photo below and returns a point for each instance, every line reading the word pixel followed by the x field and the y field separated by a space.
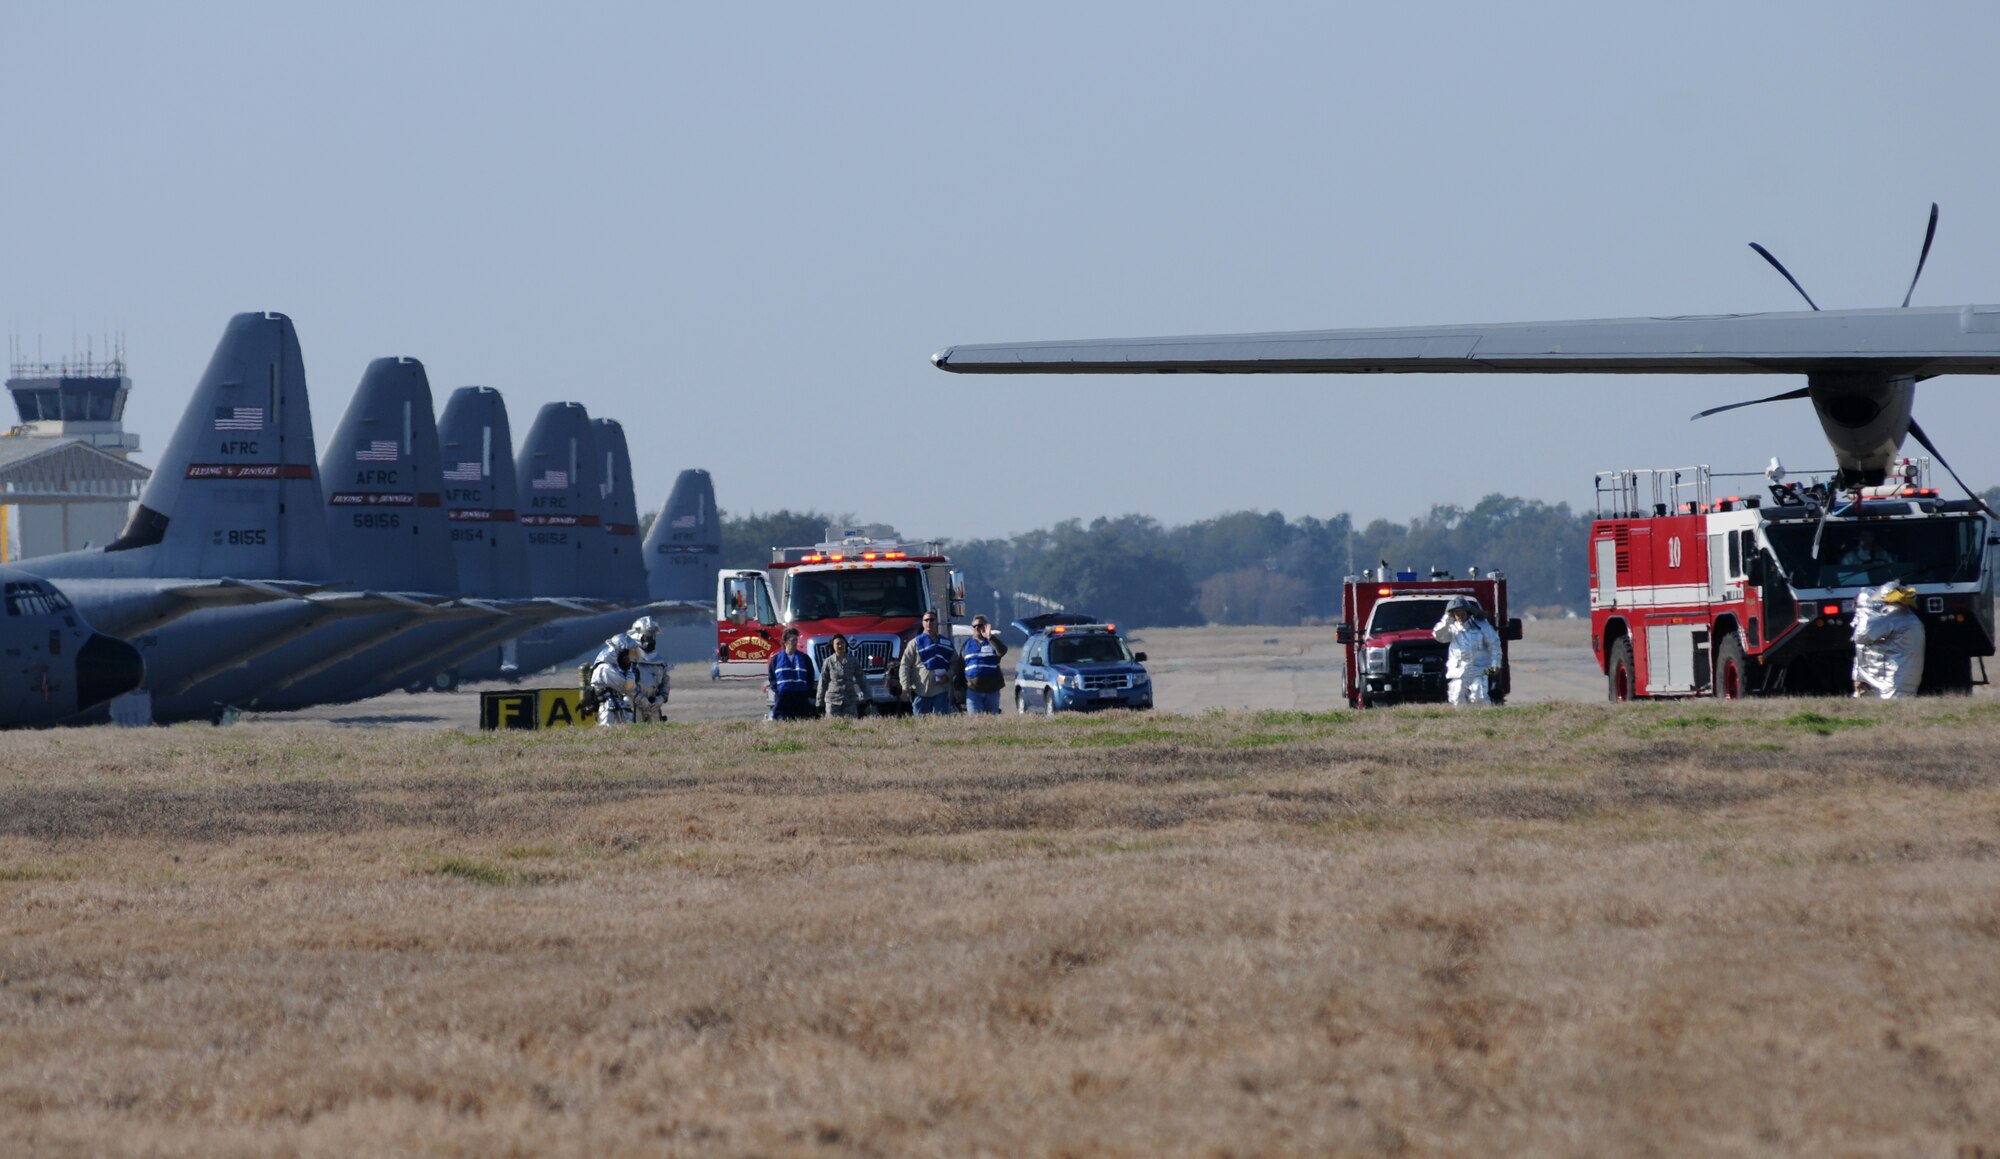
pixel 625 565
pixel 481 494
pixel 684 548
pixel 562 510
pixel 385 516
pixel 235 492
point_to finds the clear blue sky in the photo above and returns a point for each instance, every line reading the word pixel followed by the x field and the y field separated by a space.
pixel 742 229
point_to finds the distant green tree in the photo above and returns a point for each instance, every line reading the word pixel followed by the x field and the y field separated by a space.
pixel 1239 567
pixel 1117 569
pixel 747 540
pixel 1312 552
pixel 1539 546
pixel 1232 542
pixel 1320 554
pixel 1253 595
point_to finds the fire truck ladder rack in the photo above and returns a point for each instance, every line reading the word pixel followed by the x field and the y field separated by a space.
pixel 1643 491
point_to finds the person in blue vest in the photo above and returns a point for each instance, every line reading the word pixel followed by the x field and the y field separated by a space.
pixel 927 670
pixel 791 681
pixel 983 681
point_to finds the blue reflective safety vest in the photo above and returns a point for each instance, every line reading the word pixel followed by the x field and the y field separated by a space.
pixel 791 672
pixel 980 660
pixel 932 652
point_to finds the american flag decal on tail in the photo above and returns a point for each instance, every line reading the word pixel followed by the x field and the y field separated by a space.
pixel 239 418
pixel 463 473
pixel 375 451
pixel 551 481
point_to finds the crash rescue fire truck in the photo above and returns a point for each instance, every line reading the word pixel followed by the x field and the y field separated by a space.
pixel 1697 595
pixel 873 591
pixel 1385 626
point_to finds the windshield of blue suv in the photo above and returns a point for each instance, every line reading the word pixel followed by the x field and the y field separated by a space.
pixel 1088 650
pixel 1918 551
pixel 874 591
pixel 1405 615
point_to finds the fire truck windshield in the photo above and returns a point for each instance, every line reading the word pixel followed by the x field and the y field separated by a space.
pixel 1940 550
pixel 873 591
pixel 1405 616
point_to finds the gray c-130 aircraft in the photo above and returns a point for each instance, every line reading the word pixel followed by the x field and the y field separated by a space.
pixel 53 665
pixel 1861 366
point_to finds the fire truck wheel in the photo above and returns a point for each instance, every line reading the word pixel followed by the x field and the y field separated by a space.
pixel 1731 671
pixel 1618 674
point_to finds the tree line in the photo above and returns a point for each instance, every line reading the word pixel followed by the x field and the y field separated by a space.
pixel 1245 567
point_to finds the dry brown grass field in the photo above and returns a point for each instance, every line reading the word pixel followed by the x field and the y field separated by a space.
pixel 1567 929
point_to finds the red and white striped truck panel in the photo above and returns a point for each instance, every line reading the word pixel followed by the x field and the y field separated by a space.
pixel 1675 584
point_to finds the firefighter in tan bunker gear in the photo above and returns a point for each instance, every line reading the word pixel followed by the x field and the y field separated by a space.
pixel 1474 650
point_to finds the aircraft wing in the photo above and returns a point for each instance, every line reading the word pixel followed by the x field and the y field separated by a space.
pixel 125 607
pixel 230 593
pixel 526 612
pixel 347 604
pixel 465 608
pixel 678 608
pixel 542 613
pixel 422 609
pixel 1923 342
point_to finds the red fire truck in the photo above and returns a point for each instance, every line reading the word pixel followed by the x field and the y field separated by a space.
pixel 1694 595
pixel 872 591
pixel 1385 625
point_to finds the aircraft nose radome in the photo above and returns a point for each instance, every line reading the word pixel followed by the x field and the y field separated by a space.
pixel 106 667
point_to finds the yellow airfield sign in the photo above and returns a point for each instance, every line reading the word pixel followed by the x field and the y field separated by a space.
pixel 532 708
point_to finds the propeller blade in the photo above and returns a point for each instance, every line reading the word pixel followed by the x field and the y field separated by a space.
pixel 1780 267
pixel 1925 439
pixel 1929 233
pixel 1789 395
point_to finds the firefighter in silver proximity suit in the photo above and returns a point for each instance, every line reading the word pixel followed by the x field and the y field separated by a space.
pixel 1888 642
pixel 1474 650
pixel 616 680
pixel 649 699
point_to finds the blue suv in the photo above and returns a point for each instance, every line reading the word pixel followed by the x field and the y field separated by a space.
pixel 1073 663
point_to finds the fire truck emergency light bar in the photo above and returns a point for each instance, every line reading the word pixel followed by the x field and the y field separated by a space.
pixel 838 558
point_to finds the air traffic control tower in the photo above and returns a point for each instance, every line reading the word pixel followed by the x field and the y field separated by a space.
pixel 65 478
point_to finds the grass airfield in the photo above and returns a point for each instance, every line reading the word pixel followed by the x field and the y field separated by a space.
pixel 1557 928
